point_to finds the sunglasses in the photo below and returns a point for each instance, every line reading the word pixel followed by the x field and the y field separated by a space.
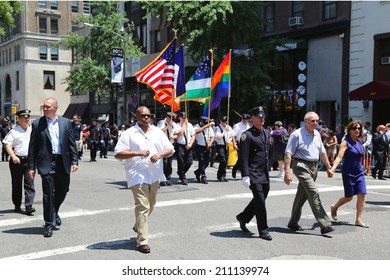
pixel 313 121
pixel 356 128
pixel 146 115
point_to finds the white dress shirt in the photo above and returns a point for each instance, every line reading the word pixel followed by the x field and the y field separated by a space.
pixel 140 169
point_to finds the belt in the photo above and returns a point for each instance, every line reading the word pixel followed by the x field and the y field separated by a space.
pixel 55 156
pixel 306 161
pixel 22 157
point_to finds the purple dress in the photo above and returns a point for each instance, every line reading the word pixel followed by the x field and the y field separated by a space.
pixel 352 169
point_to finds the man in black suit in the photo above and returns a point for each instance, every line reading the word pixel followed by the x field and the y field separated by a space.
pixel 380 147
pixel 254 162
pixel 53 152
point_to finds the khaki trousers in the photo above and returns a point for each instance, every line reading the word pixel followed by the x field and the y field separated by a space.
pixel 306 173
pixel 144 199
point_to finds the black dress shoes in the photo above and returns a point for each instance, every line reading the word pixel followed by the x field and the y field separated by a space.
pixel 48 232
pixel 295 227
pixel 168 183
pixel 144 249
pixel 234 173
pixel 373 175
pixel 265 236
pixel 242 224
pixel 184 182
pixel 326 230
pixel 224 179
pixel 30 210
pixel 58 220
pixel 197 175
pixel 18 209
pixel 163 184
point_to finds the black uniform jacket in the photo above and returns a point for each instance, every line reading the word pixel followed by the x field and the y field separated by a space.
pixel 253 156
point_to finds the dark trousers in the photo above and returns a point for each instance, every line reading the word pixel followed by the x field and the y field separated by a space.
pixel 203 155
pixel 104 148
pixel 168 167
pixel 55 186
pixel 184 160
pixel 4 154
pixel 93 149
pixel 19 177
pixel 222 156
pixel 256 207
pixel 380 165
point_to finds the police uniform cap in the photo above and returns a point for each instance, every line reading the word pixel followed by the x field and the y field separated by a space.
pixel 26 113
pixel 171 114
pixel 204 119
pixel 224 119
pixel 182 114
pixel 246 116
pixel 257 111
pixel 5 120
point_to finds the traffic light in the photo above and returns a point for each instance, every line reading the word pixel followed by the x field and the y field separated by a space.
pixel 14 109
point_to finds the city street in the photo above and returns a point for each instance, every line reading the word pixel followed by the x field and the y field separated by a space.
pixel 194 222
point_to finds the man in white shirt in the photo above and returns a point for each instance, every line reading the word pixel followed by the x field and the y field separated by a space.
pixel 238 129
pixel 185 140
pixel 204 137
pixel 142 147
pixel 168 126
pixel 221 137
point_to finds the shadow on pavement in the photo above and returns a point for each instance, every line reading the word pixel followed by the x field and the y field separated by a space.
pixel 26 231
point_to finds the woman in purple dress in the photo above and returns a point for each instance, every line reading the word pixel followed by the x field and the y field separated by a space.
pixel 352 151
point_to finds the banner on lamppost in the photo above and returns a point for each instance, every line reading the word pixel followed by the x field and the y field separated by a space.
pixel 117 66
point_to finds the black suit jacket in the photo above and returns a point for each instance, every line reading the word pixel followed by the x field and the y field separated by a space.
pixel 40 148
pixel 379 145
pixel 253 156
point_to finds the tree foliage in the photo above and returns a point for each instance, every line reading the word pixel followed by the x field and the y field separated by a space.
pixel 8 9
pixel 92 73
pixel 225 25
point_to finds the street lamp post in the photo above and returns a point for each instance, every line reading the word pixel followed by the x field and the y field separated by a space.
pixel 123 38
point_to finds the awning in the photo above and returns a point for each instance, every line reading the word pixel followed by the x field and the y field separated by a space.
pixel 375 90
pixel 76 108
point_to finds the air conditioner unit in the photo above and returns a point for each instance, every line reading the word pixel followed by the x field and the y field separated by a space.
pixel 385 60
pixel 295 21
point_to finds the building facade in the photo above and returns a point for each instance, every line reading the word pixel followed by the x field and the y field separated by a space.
pixel 370 61
pixel 312 75
pixel 31 67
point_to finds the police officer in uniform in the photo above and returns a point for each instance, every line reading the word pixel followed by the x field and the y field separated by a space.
pixel 204 136
pixel 168 126
pixel 93 139
pixel 253 157
pixel 221 137
pixel 16 143
pixel 4 129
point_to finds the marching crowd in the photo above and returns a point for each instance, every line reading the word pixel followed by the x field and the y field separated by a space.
pixel 53 145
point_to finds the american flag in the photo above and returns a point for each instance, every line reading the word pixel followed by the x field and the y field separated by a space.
pixel 159 74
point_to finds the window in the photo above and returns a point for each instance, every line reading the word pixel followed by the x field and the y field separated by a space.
pixel 42 4
pixel 43 52
pixel 49 80
pixel 75 56
pixel 75 26
pixel 54 5
pixel 1 63
pixel 330 9
pixel 86 7
pixel 144 37
pixel 17 80
pixel 9 56
pixel 42 25
pixel 75 6
pixel 17 53
pixel 297 8
pixel 54 26
pixel 269 18
pixel 54 54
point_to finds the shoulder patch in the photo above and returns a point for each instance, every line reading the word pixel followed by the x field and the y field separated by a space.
pixel 243 137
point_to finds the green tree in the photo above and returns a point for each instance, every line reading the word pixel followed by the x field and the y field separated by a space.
pixel 225 25
pixel 92 72
pixel 8 9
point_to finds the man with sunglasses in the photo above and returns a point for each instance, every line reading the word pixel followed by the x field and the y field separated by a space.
pixel 305 148
pixel 16 144
pixel 254 161
pixel 143 147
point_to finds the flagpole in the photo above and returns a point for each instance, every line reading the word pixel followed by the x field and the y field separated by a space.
pixel 229 89
pixel 211 78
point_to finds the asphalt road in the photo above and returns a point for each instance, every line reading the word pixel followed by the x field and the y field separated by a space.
pixel 194 222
